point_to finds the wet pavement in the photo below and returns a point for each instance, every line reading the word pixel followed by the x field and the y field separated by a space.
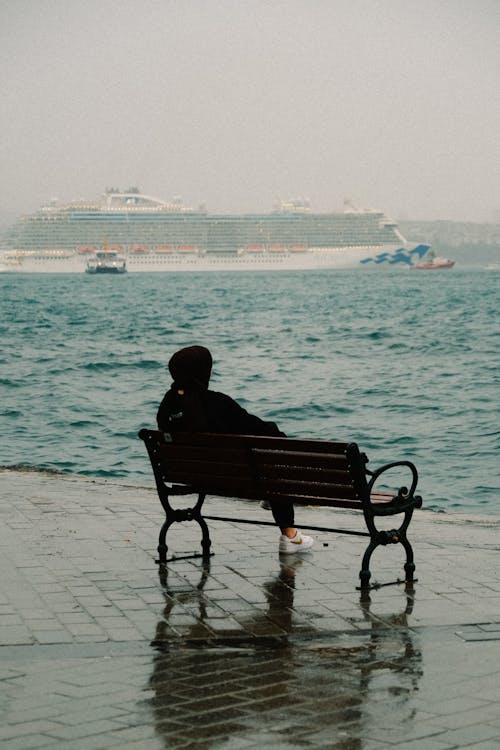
pixel 101 649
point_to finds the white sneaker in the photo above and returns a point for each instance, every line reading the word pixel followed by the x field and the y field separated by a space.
pixel 299 543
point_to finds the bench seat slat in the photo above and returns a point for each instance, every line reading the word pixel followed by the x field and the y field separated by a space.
pixel 339 502
pixel 256 441
pixel 171 452
pixel 260 458
pixel 299 458
pixel 233 487
pixel 304 473
pixel 297 487
pixel 313 500
pixel 227 486
pixel 206 468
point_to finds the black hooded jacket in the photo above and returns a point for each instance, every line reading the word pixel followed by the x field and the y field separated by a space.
pixel 190 407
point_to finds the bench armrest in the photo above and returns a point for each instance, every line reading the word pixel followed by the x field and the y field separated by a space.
pixel 404 494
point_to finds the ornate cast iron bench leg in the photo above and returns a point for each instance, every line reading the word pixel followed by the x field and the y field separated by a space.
pixel 383 538
pixel 178 515
pixel 162 547
pixel 364 573
pixel 407 501
pixel 409 565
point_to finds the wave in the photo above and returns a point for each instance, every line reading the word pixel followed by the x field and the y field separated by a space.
pixel 143 364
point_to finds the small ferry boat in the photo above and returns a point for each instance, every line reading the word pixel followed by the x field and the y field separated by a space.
pixel 106 261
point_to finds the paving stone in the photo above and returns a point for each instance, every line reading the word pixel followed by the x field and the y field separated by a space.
pixel 26 728
pixel 473 733
pixel 32 742
pixel 89 729
pixel 15 635
pixel 52 636
pixel 426 743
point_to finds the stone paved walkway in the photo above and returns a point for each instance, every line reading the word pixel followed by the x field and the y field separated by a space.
pixel 99 649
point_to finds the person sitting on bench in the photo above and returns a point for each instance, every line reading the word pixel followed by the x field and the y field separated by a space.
pixel 189 406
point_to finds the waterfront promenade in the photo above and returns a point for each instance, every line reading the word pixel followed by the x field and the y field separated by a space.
pixel 99 650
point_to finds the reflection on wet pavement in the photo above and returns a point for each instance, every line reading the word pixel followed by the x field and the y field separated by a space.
pixel 254 652
pixel 283 687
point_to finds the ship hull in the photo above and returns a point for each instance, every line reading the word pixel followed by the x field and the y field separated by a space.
pixel 105 270
pixel 433 266
pixel 324 258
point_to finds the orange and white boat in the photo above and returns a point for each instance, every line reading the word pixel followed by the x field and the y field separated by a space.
pixel 432 262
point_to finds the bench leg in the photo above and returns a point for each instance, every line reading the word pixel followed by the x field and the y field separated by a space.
pixel 409 564
pixel 383 538
pixel 205 537
pixel 179 515
pixel 364 573
pixel 162 546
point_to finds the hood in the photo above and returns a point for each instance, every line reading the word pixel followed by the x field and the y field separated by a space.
pixel 191 368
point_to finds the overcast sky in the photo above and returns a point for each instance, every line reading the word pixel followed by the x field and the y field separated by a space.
pixel 392 103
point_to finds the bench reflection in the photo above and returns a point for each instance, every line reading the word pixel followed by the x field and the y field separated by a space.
pixel 287 681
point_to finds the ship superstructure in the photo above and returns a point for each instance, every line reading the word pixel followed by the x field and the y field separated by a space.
pixel 158 235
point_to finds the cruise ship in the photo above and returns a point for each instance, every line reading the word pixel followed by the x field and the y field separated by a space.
pixel 156 235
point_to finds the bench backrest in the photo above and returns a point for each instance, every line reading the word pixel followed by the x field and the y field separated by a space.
pixel 312 472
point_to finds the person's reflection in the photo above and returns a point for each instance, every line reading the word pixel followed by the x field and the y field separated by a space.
pixel 209 687
pixel 277 681
pixel 280 594
pixel 278 621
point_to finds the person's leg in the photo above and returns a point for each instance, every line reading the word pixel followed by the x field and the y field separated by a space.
pixel 291 540
pixel 283 514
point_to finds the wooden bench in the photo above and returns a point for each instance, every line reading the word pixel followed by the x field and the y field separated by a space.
pixel 308 472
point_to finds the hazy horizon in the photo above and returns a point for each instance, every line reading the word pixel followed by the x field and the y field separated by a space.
pixel 392 105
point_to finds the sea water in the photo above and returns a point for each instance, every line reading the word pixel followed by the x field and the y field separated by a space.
pixel 403 363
